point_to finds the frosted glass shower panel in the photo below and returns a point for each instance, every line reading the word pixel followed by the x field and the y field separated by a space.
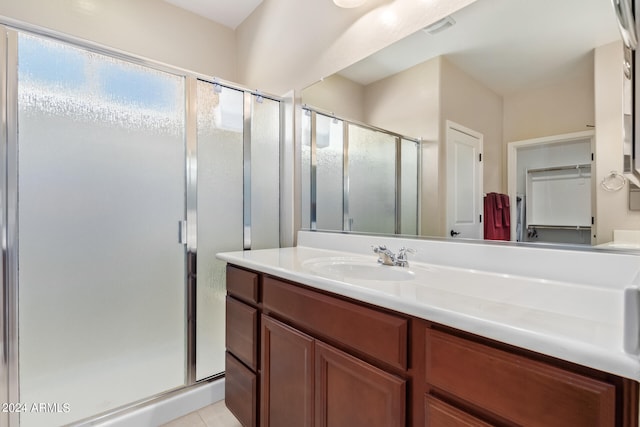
pixel 219 195
pixel 101 191
pixel 305 170
pixel 265 173
pixel 329 173
pixel 372 180
pixel 409 193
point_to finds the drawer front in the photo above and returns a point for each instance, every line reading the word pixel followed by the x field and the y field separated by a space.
pixel 439 414
pixel 241 332
pixel 375 333
pixel 521 390
pixel 240 392
pixel 242 284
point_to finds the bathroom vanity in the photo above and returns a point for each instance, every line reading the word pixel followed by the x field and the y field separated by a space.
pixel 318 336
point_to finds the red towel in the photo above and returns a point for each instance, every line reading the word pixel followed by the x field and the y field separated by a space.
pixel 506 215
pixel 497 217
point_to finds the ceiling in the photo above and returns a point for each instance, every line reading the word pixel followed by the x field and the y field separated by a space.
pixel 229 13
pixel 505 44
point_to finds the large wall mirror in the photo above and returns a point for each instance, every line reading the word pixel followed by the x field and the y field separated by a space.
pixel 517 107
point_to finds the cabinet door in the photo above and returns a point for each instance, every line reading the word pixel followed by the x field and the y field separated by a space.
pixel 352 393
pixel 287 376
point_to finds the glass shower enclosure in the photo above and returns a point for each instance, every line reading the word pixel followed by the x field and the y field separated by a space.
pixel 357 177
pixel 123 179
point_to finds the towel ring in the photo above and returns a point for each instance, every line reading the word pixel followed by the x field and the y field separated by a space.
pixel 613 182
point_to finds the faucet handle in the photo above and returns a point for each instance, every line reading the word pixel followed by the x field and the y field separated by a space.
pixel 385 256
pixel 404 251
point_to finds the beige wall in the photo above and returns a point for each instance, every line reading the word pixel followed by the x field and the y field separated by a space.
pixel 473 105
pixel 337 95
pixel 152 29
pixel 409 103
pixel 561 106
pixel 290 44
pixel 283 45
pixel 611 207
pixel 417 102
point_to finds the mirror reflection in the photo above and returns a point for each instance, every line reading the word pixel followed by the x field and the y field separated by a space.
pixel 518 109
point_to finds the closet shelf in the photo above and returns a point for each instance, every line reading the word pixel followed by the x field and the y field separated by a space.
pixel 561 168
pixel 560 227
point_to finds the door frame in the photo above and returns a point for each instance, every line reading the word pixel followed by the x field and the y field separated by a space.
pixel 451 125
pixel 512 164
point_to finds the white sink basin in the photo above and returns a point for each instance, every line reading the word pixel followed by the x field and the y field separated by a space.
pixel 358 269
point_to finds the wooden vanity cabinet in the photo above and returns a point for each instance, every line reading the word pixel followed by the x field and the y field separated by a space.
pixel 307 381
pixel 516 389
pixel 301 357
pixel 241 339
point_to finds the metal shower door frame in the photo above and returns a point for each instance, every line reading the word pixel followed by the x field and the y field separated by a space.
pixel 9 368
pixel 398 139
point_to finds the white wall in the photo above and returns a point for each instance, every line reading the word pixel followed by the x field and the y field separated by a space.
pixel 289 44
pixel 152 29
pixel 611 207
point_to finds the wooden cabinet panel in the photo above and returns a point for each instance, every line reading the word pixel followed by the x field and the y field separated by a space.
pixel 521 390
pixel 287 376
pixel 372 332
pixel 240 392
pixel 439 414
pixel 242 284
pixel 350 392
pixel 241 332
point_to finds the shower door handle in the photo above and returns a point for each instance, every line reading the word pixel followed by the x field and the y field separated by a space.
pixel 182 232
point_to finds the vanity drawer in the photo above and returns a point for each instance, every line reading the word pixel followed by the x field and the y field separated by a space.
pixel 439 414
pixel 241 334
pixel 242 284
pixel 240 391
pixel 516 388
pixel 377 334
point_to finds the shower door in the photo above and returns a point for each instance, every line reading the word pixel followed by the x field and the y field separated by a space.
pixel 356 177
pixel 371 196
pixel 238 154
pixel 101 267
pixel 220 182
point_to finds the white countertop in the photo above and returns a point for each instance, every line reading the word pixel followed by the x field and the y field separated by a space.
pixel 571 320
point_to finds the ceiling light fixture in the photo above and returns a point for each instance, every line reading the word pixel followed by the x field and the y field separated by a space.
pixel 349 4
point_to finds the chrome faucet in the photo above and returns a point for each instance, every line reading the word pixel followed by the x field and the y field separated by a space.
pixel 387 257
pixel 401 258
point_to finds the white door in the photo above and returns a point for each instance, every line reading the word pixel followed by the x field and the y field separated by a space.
pixel 464 183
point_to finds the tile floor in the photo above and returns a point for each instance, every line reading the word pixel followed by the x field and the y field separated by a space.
pixel 216 415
